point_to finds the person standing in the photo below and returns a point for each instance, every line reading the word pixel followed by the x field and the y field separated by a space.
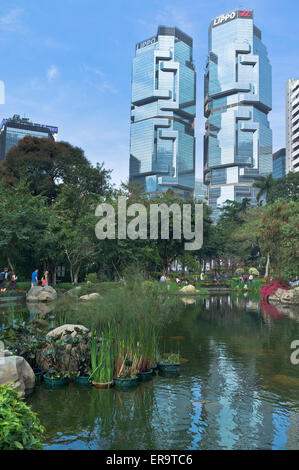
pixel 13 281
pixel 3 279
pixel 34 278
pixel 45 279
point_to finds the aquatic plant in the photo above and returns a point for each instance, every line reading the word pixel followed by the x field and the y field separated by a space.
pixel 102 362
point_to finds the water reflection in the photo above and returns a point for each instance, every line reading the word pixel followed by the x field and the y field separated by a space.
pixel 237 388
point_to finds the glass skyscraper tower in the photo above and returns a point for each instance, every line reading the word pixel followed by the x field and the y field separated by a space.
pixel 162 147
pixel 238 98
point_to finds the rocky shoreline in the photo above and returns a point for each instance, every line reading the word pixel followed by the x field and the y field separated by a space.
pixel 285 297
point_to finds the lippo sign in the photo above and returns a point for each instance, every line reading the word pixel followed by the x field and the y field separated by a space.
pixel 247 14
pixel 147 42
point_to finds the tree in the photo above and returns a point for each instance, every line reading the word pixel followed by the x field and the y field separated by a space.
pixel 23 220
pixel 48 165
pixel 286 188
pixel 76 227
pixel 264 186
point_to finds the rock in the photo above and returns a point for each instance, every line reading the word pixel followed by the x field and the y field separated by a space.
pixel 41 294
pixel 287 297
pixel 89 296
pixel 188 301
pixel 66 330
pixel 188 289
pixel 40 307
pixel 16 370
pixel 73 291
pixel 72 355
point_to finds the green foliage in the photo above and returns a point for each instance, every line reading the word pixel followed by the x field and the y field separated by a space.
pixel 102 360
pixel 20 428
pixel 253 271
pixel 24 339
pixel 92 277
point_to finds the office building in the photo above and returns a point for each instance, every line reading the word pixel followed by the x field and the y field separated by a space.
pixel 16 128
pixel 200 190
pixel 292 125
pixel 162 145
pixel 279 164
pixel 238 98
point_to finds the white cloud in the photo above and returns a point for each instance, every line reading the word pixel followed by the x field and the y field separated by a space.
pixel 11 21
pixel 52 73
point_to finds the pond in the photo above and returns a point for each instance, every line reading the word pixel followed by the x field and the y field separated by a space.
pixel 237 388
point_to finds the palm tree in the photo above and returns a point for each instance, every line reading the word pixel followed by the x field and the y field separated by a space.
pixel 264 186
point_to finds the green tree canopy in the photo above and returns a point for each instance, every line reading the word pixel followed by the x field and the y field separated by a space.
pixel 47 165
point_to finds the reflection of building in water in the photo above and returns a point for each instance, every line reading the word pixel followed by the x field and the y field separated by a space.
pixel 293 431
pixel 231 414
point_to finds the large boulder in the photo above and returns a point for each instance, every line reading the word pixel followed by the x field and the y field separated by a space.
pixel 41 294
pixel 94 295
pixel 40 308
pixel 16 370
pixel 286 297
pixel 188 289
pixel 67 330
pixel 72 354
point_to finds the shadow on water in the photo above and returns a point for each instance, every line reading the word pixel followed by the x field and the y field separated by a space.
pixel 237 388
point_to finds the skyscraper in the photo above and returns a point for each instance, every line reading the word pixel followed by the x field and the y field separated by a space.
pixel 292 125
pixel 279 163
pixel 162 147
pixel 238 98
pixel 16 128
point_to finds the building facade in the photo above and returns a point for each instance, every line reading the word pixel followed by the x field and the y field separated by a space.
pixel 279 163
pixel 238 98
pixel 200 190
pixel 162 142
pixel 16 128
pixel 292 125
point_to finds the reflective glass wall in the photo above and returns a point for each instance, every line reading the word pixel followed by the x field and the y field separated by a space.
pixel 238 98
pixel 162 150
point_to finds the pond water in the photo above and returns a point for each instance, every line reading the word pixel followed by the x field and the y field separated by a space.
pixel 237 388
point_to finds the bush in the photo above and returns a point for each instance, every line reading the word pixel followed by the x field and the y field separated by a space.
pixel 92 277
pixel 20 428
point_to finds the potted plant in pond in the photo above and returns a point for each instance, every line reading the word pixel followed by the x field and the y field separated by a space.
pixel 127 364
pixel 54 353
pixel 170 365
pixel 102 363
pixel 81 346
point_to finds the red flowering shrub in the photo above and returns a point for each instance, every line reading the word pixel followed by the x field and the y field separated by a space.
pixel 273 283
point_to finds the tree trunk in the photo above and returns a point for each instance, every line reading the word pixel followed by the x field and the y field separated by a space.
pixel 10 263
pixel 76 274
pixel 53 274
pixel 267 265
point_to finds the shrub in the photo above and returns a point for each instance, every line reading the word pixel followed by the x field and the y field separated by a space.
pixel 273 283
pixel 20 428
pixel 92 277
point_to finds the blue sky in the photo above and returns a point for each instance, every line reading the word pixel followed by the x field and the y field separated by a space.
pixel 68 63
